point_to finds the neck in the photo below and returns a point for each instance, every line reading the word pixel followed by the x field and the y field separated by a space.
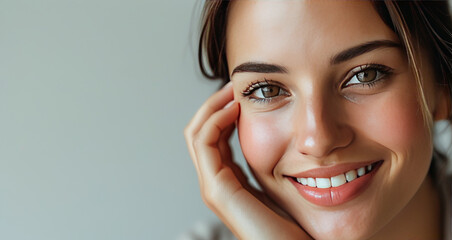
pixel 420 219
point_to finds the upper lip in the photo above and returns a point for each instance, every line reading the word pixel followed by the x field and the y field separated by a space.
pixel 327 172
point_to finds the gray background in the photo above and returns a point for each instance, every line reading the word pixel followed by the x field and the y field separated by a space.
pixel 94 96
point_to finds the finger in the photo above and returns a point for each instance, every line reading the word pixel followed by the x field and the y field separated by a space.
pixel 223 143
pixel 206 146
pixel 216 102
pixel 228 160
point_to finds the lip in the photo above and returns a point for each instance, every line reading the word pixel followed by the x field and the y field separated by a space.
pixel 334 196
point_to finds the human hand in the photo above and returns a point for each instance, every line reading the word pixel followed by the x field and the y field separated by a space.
pixel 248 213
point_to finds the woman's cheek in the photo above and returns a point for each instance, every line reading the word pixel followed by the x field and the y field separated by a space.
pixel 262 140
pixel 397 123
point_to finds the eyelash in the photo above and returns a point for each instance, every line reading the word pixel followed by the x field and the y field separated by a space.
pixel 382 70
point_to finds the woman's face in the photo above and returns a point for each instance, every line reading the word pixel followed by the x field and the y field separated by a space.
pixel 325 90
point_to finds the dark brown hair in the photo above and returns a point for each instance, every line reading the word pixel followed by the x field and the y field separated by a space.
pixel 212 41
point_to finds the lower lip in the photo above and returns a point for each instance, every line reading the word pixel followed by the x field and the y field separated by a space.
pixel 334 196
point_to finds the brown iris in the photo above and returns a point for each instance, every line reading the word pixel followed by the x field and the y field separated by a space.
pixel 270 91
pixel 367 75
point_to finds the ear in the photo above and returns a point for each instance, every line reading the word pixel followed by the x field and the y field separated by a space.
pixel 442 109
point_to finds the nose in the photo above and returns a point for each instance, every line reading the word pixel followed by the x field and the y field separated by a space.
pixel 321 128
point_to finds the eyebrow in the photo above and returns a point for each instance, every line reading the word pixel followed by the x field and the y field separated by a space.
pixel 260 67
pixel 361 49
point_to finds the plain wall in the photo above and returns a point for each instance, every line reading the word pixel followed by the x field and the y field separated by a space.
pixel 94 96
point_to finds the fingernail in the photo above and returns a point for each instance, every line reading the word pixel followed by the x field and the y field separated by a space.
pixel 227 85
pixel 229 104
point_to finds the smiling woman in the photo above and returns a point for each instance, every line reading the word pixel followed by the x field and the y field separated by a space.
pixel 334 102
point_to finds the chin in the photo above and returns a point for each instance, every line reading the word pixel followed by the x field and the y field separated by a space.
pixel 337 229
pixel 358 219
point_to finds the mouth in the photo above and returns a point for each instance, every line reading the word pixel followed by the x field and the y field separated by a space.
pixel 336 185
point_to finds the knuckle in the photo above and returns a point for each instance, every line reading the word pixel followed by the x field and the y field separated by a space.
pixel 210 106
pixel 188 132
pixel 210 197
pixel 209 204
pixel 198 142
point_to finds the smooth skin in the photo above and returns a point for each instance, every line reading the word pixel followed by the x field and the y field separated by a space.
pixel 224 187
pixel 319 118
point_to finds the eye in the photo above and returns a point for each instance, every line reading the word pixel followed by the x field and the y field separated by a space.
pixel 367 75
pixel 267 92
pixel 264 91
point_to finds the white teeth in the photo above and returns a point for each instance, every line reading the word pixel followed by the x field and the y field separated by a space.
pixel 338 180
pixel 361 171
pixel 351 175
pixel 304 181
pixel 311 182
pixel 335 181
pixel 323 182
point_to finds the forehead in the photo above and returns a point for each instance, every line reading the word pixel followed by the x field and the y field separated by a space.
pixel 299 32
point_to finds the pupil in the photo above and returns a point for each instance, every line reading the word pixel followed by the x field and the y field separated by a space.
pixel 367 75
pixel 270 91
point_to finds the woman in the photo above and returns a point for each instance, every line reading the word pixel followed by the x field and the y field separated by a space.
pixel 334 102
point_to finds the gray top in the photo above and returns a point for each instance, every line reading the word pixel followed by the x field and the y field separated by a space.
pixel 448 210
pixel 208 230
